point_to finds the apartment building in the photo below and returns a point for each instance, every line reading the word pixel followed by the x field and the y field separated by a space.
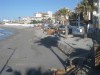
pixel 38 16
pixel 42 15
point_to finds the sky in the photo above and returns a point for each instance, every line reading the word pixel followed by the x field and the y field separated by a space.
pixel 12 9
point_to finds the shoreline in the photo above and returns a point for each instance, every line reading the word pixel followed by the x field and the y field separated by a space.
pixel 14 31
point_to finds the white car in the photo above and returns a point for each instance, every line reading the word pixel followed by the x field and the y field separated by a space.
pixel 77 30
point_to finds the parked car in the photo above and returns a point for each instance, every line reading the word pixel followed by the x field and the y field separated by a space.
pixel 77 30
pixel 61 29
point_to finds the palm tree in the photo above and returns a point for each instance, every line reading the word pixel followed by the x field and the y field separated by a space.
pixel 61 16
pixel 62 13
pixel 85 6
pixel 73 16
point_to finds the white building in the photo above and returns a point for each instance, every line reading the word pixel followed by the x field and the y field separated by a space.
pixel 39 16
pixel 5 20
pixel 25 20
pixel 50 15
pixel 42 15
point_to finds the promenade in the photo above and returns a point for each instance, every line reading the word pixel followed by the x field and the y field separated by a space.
pixel 29 51
pixel 26 51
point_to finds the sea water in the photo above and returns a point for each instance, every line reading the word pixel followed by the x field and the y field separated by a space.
pixel 5 33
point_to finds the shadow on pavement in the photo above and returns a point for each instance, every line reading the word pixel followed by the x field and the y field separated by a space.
pixel 50 42
pixel 84 61
pixel 33 71
pixel 38 71
pixel 17 73
pixel 84 66
pixel 77 52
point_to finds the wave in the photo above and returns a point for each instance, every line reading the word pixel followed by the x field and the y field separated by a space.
pixel 5 33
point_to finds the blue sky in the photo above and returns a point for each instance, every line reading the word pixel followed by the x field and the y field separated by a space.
pixel 12 9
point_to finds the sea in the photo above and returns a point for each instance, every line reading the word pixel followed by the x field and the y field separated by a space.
pixel 4 33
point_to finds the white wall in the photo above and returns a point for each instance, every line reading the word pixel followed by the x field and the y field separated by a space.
pixel 38 15
pixel 50 14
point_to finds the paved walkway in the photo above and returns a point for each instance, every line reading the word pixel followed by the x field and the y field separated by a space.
pixel 75 42
pixel 75 46
pixel 28 51
pixel 31 49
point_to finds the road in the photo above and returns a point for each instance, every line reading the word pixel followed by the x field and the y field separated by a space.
pixel 24 52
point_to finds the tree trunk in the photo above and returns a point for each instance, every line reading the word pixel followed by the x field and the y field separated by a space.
pixel 85 28
pixel 66 31
pixel 66 28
